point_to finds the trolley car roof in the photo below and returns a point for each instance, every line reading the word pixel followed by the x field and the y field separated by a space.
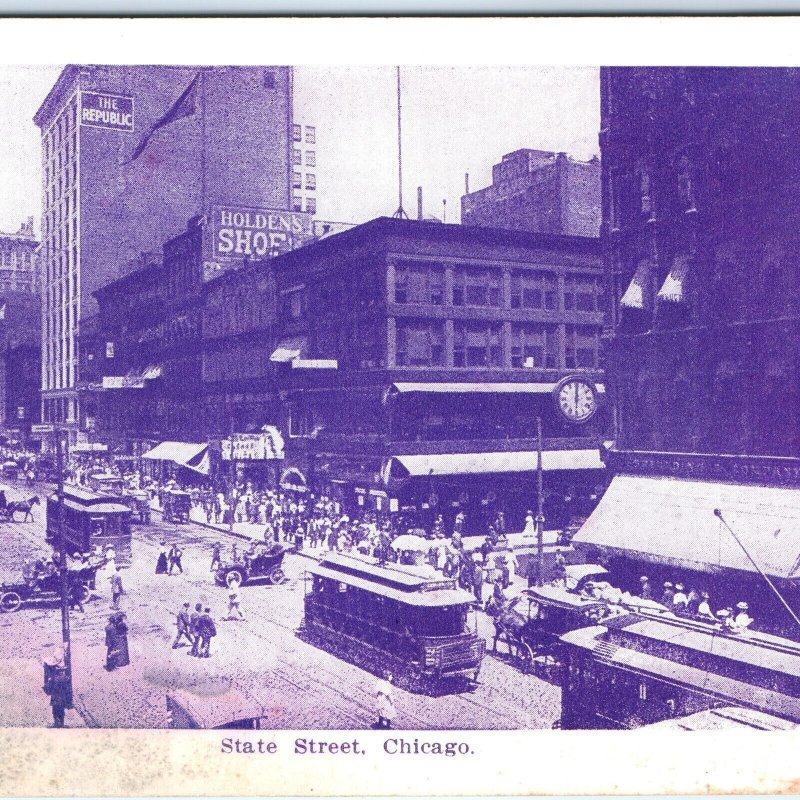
pixel 415 586
pixel 748 694
pixel 217 710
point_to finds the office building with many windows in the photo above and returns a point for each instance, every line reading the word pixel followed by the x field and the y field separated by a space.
pixel 129 153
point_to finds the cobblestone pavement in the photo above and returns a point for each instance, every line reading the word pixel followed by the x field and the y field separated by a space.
pixel 301 685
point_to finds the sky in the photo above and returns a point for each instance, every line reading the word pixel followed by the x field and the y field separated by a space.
pixel 454 120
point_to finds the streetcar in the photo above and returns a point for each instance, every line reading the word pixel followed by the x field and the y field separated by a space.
pixel 408 619
pixel 640 668
pixel 90 520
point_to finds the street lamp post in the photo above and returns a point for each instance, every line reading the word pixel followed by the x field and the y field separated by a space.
pixel 62 566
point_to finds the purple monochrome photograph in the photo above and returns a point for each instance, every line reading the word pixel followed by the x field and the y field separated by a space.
pixel 399 398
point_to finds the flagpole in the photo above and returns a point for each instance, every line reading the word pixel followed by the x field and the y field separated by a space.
pixel 203 141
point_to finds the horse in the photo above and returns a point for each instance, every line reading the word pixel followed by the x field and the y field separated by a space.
pixel 507 622
pixel 24 507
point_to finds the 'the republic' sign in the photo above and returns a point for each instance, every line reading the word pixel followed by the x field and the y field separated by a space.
pixel 107 111
pixel 258 233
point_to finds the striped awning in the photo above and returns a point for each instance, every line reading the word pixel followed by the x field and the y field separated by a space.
pixel 639 294
pixel 674 288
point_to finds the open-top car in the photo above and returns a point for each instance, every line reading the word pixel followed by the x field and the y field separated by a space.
pixel 259 561
pixel 44 586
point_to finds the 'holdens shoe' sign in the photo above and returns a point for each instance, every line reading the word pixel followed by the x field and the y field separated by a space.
pixel 107 111
pixel 258 233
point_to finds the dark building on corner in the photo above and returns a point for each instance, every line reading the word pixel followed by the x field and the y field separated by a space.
pixel 415 357
pixel 701 244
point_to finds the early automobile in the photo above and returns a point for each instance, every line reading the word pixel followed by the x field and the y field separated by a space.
pixel 42 583
pixel 177 505
pixel 260 561
pixel 230 708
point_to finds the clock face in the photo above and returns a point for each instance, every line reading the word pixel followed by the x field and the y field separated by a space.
pixel 576 399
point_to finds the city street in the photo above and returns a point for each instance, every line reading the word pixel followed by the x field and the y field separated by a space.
pixel 301 685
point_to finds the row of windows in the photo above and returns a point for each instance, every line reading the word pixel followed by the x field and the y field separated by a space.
pixel 425 284
pixel 310 204
pixel 17 258
pixel 297 158
pixel 311 133
pixel 423 344
pixel 58 409
pixel 311 181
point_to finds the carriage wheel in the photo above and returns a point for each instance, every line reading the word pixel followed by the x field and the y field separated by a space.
pixel 525 657
pixel 85 593
pixel 234 575
pixel 276 575
pixel 10 601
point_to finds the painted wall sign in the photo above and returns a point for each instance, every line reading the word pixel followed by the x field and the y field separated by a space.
pixel 257 233
pixel 110 111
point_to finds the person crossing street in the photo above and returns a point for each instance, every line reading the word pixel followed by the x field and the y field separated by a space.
pixel 183 622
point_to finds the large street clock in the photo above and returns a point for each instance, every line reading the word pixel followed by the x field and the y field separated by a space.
pixel 576 398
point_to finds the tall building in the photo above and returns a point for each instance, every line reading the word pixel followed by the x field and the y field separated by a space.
pixel 304 168
pixel 538 191
pixel 129 153
pixel 18 260
pixel 20 353
pixel 702 250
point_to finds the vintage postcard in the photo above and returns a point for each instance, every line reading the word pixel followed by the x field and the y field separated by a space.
pixel 407 419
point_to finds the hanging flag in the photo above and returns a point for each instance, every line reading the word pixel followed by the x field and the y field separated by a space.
pixel 184 106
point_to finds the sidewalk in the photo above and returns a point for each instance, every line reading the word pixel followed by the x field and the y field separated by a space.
pixel 22 698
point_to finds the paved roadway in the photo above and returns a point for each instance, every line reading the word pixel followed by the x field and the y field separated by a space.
pixel 301 685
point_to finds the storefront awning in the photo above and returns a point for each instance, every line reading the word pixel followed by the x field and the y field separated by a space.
pixel 288 350
pixel 152 372
pixel 639 293
pixel 493 463
pixel 186 454
pixel 478 388
pixel 672 521
pixel 674 288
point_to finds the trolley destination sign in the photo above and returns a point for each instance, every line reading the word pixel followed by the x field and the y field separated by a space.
pixel 110 111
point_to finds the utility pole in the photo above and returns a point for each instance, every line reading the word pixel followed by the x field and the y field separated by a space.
pixel 539 506
pixel 62 565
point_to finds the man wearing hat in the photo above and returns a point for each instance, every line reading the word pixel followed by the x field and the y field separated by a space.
pixel 57 686
pixel 669 593
pixel 646 590
pixel 477 577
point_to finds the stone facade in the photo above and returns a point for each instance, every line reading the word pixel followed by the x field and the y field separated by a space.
pixel 699 211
